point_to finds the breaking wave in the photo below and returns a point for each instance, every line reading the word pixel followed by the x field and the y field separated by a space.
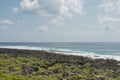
pixel 66 52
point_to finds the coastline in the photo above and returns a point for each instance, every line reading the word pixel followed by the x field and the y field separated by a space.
pixel 91 55
pixel 41 64
pixel 57 56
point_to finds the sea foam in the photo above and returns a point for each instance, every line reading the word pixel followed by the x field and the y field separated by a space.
pixel 66 52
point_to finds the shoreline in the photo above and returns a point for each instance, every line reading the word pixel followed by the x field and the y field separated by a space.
pixel 43 65
pixel 50 55
pixel 91 55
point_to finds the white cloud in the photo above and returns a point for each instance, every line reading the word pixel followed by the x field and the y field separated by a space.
pixel 3 28
pixel 28 5
pixel 107 6
pixel 53 6
pixel 112 29
pixel 60 9
pixel 109 23
pixel 21 22
pixel 7 22
pixel 58 20
pixel 109 28
pixel 15 9
pixel 111 6
pixel 108 20
pixel 43 29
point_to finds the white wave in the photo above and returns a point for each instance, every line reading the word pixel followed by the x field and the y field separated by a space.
pixel 92 55
pixel 25 47
pixel 63 50
pixel 66 52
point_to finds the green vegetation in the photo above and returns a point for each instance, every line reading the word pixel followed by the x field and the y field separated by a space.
pixel 33 68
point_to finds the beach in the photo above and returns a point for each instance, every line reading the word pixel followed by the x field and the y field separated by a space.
pixel 42 65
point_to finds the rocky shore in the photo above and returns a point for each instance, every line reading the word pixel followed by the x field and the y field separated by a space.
pixel 42 65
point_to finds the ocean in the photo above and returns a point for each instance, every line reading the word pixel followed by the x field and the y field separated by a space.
pixel 89 49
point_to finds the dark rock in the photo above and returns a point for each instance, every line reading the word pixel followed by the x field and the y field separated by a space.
pixel 11 69
pixel 112 75
pixel 100 78
pixel 56 71
pixel 28 69
pixel 65 74
pixel 118 71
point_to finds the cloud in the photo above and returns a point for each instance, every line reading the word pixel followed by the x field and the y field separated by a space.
pixel 109 28
pixel 60 9
pixel 112 29
pixel 58 20
pixel 15 9
pixel 9 22
pixel 3 28
pixel 109 23
pixel 72 8
pixel 30 6
pixel 111 6
pixel 43 29
pixel 52 6
pixel 108 20
pixel 21 22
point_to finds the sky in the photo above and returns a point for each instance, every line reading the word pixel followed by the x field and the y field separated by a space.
pixel 59 20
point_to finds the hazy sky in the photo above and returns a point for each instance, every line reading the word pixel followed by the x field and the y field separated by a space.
pixel 59 20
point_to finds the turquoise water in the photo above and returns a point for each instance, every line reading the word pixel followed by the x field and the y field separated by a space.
pixel 99 48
